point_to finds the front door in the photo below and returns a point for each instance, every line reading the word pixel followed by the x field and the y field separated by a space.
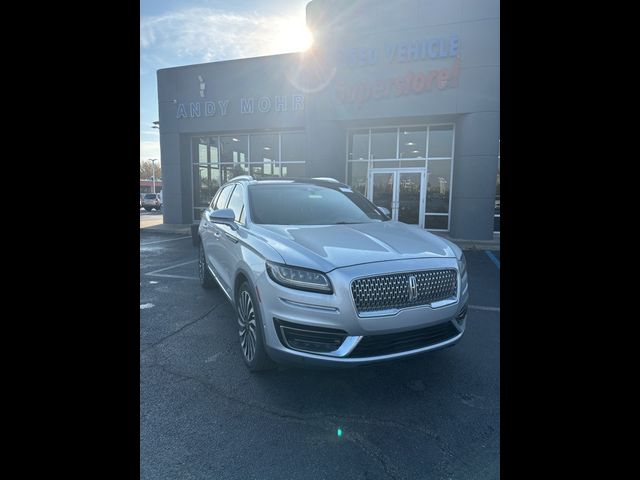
pixel 401 191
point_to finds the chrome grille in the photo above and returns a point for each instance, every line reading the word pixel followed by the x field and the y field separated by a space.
pixel 385 292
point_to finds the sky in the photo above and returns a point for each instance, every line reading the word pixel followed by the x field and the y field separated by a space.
pixel 175 33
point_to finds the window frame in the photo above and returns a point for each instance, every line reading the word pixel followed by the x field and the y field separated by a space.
pixel 197 162
pixel 371 163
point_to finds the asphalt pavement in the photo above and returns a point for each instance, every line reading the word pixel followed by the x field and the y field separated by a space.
pixel 203 415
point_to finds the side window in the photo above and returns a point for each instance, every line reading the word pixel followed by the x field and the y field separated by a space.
pixel 221 201
pixel 236 203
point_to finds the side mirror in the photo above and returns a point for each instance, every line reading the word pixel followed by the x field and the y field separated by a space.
pixel 384 210
pixel 225 216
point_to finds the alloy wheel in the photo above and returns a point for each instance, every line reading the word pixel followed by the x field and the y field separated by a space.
pixel 247 325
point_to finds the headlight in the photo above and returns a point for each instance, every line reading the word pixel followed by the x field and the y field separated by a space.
pixel 299 278
pixel 462 265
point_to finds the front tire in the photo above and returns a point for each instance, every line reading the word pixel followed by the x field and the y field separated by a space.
pixel 206 279
pixel 250 332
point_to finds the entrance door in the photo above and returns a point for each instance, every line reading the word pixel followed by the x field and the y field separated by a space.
pixel 401 191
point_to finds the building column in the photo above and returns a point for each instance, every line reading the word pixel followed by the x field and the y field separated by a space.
pixel 474 175
pixel 172 191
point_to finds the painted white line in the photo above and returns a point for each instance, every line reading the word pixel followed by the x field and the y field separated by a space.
pixel 172 266
pixel 153 282
pixel 493 258
pixel 146 305
pixel 161 241
pixel 172 276
pixel 486 309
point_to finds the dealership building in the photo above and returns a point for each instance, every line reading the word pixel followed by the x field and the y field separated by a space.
pixel 398 99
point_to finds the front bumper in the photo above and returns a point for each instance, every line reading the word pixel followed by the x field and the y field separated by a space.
pixel 337 313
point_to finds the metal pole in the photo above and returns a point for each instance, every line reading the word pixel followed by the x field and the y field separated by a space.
pixel 153 163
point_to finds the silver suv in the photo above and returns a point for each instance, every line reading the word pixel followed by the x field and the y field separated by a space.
pixel 319 275
pixel 151 200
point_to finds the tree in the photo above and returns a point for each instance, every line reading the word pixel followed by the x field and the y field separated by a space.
pixel 146 170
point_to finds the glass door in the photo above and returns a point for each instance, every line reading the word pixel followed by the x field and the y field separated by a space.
pixel 381 185
pixel 401 191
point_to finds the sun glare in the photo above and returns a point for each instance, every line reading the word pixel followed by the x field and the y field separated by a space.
pixel 294 37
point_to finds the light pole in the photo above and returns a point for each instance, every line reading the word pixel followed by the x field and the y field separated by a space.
pixel 153 164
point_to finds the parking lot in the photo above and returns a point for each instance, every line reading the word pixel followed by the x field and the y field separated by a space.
pixel 203 415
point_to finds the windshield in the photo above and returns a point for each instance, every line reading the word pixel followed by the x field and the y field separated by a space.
pixel 304 204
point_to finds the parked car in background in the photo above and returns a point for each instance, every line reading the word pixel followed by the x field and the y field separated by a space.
pixel 151 201
pixel 319 275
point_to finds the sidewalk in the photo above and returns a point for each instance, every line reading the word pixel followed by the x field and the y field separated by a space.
pixel 153 223
pixel 167 228
pixel 474 244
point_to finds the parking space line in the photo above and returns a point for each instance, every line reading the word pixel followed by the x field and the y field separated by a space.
pixel 493 258
pixel 172 266
pixel 171 276
pixel 486 309
pixel 161 241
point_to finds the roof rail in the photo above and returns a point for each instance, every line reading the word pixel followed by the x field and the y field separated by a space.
pixel 241 177
pixel 326 179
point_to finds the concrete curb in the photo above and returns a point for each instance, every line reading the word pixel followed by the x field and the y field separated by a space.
pixel 474 244
pixel 168 228
pixel 465 245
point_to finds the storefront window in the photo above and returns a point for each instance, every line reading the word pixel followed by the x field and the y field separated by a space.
pixel 235 149
pixel 266 169
pixel 264 148
pixel 230 170
pixel 227 156
pixel 384 143
pixel 357 176
pixel 437 222
pixel 440 141
pixel 202 152
pixel 205 150
pixel 214 151
pixel 398 149
pixel 207 184
pixel 438 186
pixel 413 142
pixel 359 145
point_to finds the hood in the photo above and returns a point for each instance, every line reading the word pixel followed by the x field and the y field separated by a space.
pixel 326 247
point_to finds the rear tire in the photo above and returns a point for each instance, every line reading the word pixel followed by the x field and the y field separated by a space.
pixel 250 331
pixel 206 279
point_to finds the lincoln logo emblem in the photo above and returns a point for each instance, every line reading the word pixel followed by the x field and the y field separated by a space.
pixel 413 288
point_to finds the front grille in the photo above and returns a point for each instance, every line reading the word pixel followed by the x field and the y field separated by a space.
pixel 374 345
pixel 385 292
pixel 307 338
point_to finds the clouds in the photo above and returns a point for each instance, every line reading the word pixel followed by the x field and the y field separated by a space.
pixel 201 35
pixel 149 149
pixel 206 35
